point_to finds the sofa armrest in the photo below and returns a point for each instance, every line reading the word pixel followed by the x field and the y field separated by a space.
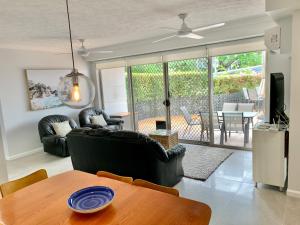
pixel 176 151
pixel 53 139
pixel 111 121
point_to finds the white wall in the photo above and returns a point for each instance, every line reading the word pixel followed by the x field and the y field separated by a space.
pixel 294 149
pixel 273 5
pixel 20 123
pixel 281 62
pixel 3 170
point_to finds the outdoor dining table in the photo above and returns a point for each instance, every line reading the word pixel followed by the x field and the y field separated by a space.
pixel 248 116
pixel 46 203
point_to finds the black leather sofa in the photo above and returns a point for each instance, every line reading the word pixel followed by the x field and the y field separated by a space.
pixel 53 143
pixel 85 119
pixel 125 153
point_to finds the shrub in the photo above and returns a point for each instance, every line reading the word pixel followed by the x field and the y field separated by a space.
pixel 150 86
pixel 226 84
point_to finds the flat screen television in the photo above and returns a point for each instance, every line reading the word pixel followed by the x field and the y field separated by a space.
pixel 277 106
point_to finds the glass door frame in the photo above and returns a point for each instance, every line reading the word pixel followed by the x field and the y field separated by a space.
pixel 168 101
pixel 131 106
pixel 131 98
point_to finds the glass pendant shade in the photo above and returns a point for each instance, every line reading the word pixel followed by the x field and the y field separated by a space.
pixel 76 90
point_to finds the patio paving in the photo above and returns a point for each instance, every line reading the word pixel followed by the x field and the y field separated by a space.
pixel 178 123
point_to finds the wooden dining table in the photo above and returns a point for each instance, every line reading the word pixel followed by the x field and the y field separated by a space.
pixel 45 203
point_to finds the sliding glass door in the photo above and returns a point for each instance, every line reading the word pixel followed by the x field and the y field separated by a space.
pixel 238 96
pixel 148 90
pixel 214 100
pixel 189 97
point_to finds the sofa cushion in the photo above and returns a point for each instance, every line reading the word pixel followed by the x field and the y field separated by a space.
pixel 100 132
pixel 62 128
pixel 98 120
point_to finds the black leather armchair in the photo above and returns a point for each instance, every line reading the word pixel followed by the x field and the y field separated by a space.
pixel 53 143
pixel 125 153
pixel 85 119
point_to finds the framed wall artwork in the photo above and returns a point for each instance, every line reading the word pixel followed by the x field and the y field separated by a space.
pixel 42 87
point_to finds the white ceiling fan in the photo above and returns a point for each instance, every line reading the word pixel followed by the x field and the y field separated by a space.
pixel 186 32
pixel 84 52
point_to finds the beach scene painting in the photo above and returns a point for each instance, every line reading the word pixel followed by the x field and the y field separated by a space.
pixel 42 87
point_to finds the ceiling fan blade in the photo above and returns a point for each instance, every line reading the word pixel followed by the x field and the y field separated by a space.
pixel 63 53
pixel 169 28
pixel 102 51
pixel 165 38
pixel 209 27
pixel 193 36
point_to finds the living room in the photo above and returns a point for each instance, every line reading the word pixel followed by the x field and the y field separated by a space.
pixel 160 89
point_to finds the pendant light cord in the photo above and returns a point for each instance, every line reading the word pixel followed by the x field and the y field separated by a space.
pixel 70 35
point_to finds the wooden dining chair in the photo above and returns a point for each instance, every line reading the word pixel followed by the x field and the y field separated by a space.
pixel 147 184
pixel 15 185
pixel 128 180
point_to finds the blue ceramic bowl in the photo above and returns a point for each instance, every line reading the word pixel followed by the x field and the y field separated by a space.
pixel 91 199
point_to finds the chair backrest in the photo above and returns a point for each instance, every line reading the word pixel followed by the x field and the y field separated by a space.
pixel 205 120
pixel 233 121
pixel 253 94
pixel 147 184
pixel 245 92
pixel 45 128
pixel 128 180
pixel 230 107
pixel 15 185
pixel 261 88
pixel 86 114
pixel 245 107
pixel 187 116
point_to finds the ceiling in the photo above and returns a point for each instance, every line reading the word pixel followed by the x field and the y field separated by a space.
pixel 42 25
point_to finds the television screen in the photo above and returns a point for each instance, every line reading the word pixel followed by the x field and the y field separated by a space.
pixel 277 106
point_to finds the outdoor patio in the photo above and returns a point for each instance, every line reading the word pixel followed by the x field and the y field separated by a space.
pixel 194 133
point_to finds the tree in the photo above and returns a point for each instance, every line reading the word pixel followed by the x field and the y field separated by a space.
pixel 238 61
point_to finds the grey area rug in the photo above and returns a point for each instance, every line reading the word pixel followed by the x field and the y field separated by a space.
pixel 200 162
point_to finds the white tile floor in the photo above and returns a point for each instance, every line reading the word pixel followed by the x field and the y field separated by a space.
pixel 229 191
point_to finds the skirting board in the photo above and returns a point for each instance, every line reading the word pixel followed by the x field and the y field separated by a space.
pixel 23 154
pixel 293 193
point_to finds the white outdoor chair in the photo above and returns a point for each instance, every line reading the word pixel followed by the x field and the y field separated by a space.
pixel 233 122
pixel 245 107
pixel 205 123
pixel 229 107
pixel 189 120
pixel 246 95
pixel 253 96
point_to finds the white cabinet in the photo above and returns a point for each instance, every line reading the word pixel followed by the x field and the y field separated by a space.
pixel 269 162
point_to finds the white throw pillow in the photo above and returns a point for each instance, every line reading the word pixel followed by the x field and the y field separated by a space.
pixel 99 120
pixel 61 129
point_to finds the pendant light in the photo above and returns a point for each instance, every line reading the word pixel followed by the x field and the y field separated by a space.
pixel 75 90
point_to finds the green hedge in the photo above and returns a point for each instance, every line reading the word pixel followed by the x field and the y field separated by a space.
pixel 150 86
pixel 226 84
